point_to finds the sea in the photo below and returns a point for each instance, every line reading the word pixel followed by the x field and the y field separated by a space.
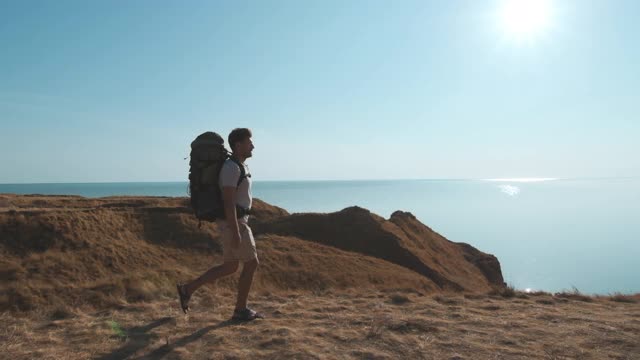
pixel 548 234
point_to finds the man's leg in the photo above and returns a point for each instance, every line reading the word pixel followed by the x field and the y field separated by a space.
pixel 213 274
pixel 244 285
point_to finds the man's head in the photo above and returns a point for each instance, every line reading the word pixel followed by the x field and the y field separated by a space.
pixel 240 142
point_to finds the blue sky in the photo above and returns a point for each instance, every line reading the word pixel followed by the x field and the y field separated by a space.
pixel 115 91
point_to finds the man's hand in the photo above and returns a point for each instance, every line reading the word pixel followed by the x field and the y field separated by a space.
pixel 229 199
pixel 235 242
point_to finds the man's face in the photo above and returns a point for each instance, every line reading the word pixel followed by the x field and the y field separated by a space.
pixel 245 148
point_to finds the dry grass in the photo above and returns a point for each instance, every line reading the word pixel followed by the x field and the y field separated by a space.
pixel 624 298
pixel 574 294
pixel 345 324
pixel 66 251
pixel 95 278
pixel 506 292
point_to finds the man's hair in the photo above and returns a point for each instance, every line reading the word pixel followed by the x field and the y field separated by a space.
pixel 238 135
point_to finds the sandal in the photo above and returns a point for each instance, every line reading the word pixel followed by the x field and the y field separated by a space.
pixel 184 298
pixel 246 315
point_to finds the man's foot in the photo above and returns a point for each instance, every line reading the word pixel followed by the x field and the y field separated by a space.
pixel 184 297
pixel 246 315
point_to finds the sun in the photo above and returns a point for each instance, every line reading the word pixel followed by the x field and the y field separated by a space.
pixel 525 20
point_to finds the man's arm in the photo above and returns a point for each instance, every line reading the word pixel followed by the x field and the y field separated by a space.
pixel 229 201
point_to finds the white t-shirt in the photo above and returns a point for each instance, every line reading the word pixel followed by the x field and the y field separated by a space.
pixel 229 176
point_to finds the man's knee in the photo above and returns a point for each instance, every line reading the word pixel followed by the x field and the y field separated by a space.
pixel 251 264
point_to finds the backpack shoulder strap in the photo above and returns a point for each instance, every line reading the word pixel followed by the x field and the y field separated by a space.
pixel 243 173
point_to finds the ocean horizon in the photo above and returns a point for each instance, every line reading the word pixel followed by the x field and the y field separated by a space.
pixel 549 234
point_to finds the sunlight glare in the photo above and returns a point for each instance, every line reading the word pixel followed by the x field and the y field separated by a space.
pixel 510 190
pixel 521 179
pixel 524 20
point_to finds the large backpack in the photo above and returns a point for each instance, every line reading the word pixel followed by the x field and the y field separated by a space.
pixel 208 154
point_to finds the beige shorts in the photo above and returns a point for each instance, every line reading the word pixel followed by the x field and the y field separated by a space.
pixel 246 251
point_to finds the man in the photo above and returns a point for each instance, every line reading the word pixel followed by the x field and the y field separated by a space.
pixel 237 239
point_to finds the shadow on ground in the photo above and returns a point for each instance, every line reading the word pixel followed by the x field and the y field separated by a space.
pixel 139 337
